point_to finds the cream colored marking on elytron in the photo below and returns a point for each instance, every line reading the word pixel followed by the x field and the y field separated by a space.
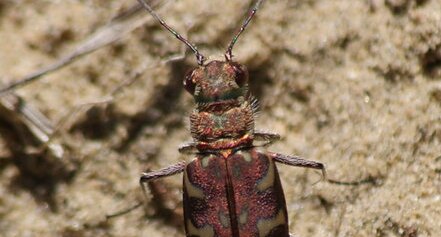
pixel 205 160
pixel 246 155
pixel 243 217
pixel 192 190
pixel 224 219
pixel 206 231
pixel 268 180
pixel 266 225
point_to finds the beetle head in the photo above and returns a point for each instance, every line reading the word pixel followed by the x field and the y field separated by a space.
pixel 217 81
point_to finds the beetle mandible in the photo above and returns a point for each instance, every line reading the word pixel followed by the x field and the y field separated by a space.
pixel 231 189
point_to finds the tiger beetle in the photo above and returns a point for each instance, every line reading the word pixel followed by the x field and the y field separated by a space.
pixel 231 189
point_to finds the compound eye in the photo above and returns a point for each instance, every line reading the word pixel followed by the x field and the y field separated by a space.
pixel 189 85
pixel 241 74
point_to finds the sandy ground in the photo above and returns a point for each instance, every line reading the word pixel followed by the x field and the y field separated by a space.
pixel 353 84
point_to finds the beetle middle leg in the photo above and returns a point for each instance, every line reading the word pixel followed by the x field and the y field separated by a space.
pixel 297 161
pixel 153 175
pixel 168 171
pixel 159 193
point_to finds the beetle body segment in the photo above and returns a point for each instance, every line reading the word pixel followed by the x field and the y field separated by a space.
pixel 239 195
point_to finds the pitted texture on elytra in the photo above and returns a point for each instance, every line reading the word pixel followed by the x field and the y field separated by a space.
pixel 206 173
pixel 234 196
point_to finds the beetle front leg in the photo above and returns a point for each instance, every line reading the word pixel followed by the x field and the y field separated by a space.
pixel 265 138
pixel 297 161
pixel 188 148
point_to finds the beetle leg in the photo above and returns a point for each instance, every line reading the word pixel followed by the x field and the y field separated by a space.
pixel 146 178
pixel 265 138
pixel 297 161
pixel 168 171
pixel 152 175
pixel 159 193
pixel 188 148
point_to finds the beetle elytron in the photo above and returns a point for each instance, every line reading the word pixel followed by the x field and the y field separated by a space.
pixel 231 189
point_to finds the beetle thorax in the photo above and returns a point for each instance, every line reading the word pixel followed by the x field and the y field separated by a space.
pixel 224 117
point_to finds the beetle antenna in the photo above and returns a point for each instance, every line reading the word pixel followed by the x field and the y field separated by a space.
pixel 229 52
pixel 199 57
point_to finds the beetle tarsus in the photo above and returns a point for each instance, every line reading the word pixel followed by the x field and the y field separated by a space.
pixel 368 180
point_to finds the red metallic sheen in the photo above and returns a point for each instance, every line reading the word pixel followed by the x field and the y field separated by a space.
pixel 240 192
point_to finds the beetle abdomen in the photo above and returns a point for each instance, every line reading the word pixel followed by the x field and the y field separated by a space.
pixel 236 196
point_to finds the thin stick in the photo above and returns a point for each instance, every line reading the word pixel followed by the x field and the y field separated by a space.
pixel 199 57
pixel 119 26
pixel 20 114
pixel 229 52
